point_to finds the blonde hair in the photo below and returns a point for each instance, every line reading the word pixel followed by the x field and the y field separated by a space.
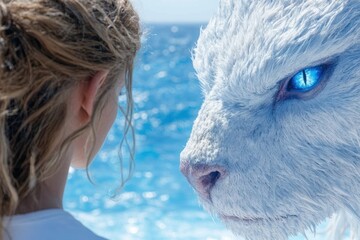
pixel 46 47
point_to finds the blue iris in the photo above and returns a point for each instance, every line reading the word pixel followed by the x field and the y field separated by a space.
pixel 306 79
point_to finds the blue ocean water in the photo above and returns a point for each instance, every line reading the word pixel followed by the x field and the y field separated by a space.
pixel 157 203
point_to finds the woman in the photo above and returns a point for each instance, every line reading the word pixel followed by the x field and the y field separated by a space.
pixel 63 64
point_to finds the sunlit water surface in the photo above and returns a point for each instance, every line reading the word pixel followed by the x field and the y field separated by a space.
pixel 157 203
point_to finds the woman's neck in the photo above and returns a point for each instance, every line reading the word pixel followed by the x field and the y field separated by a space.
pixel 47 194
pixel 41 200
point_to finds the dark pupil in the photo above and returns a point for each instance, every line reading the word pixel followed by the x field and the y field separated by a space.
pixel 304 76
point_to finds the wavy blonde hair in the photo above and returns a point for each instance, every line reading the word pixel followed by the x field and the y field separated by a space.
pixel 47 47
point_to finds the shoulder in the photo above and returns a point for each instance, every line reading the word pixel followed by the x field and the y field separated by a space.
pixel 54 224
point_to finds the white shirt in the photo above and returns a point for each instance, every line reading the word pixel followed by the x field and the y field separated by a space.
pixel 52 224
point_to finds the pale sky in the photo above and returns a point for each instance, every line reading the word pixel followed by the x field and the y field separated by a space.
pixel 175 11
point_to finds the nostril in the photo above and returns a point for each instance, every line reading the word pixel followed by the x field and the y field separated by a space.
pixel 208 181
pixel 202 177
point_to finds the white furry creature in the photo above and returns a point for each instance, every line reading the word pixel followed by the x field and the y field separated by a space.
pixel 275 148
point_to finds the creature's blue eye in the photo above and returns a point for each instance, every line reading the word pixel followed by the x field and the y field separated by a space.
pixel 306 79
pixel 306 83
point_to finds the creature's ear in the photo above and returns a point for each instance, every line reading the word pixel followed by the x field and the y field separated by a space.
pixel 89 90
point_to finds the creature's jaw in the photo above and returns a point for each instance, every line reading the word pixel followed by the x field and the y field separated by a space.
pixel 254 221
pixel 261 224
pixel 263 228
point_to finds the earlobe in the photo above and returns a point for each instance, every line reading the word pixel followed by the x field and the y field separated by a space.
pixel 90 89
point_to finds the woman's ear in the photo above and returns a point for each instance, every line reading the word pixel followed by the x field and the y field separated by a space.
pixel 90 89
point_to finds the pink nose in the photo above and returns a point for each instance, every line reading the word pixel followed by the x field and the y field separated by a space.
pixel 202 177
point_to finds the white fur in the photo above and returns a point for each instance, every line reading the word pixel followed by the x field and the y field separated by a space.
pixel 293 157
